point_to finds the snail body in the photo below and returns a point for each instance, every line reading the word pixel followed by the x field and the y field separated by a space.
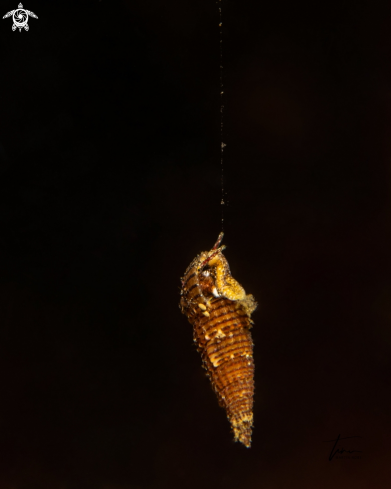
pixel 220 311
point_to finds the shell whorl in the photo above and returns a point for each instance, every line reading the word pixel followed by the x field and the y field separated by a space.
pixel 219 310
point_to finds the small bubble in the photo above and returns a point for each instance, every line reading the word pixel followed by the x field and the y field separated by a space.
pixel 222 202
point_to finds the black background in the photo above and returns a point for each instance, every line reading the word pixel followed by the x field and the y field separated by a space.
pixel 109 187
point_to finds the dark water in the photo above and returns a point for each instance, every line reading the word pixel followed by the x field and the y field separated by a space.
pixel 109 187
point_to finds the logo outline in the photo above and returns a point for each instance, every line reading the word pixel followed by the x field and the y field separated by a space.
pixel 20 16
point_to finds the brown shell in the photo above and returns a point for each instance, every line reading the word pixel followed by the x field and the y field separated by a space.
pixel 222 334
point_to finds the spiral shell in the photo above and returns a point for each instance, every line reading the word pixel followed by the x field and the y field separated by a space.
pixel 220 311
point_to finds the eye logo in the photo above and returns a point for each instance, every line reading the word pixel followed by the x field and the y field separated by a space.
pixel 20 16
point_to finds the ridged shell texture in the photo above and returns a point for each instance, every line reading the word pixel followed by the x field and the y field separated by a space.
pixel 219 310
